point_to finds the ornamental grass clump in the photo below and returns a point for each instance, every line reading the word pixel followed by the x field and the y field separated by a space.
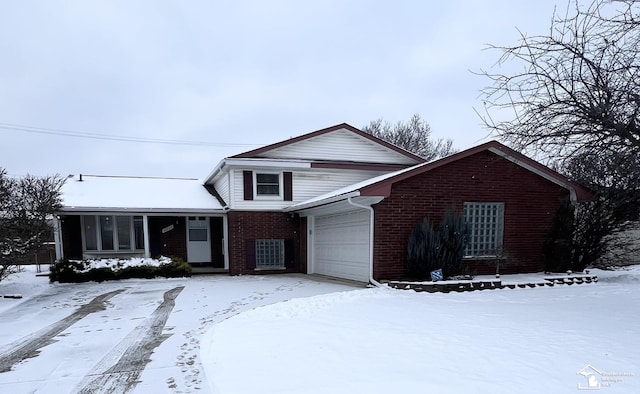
pixel 443 248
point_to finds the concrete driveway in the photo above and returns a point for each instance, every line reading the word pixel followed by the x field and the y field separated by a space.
pixel 138 336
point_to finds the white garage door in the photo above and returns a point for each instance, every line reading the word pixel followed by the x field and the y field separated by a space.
pixel 341 245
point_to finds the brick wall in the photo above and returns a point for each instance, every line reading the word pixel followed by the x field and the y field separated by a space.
pixel 530 203
pixel 172 243
pixel 247 226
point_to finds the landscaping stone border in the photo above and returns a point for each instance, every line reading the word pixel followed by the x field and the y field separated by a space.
pixel 474 285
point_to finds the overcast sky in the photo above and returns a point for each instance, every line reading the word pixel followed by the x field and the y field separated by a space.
pixel 236 75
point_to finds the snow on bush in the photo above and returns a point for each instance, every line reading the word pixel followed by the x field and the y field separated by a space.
pixel 99 270
pixel 118 264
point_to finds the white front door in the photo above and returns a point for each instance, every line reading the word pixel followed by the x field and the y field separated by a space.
pixel 198 240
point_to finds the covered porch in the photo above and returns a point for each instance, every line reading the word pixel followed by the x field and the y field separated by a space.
pixel 112 216
pixel 199 239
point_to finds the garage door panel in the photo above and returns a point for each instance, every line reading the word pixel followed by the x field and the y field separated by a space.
pixel 341 245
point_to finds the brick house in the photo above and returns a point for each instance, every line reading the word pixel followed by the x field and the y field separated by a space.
pixel 336 202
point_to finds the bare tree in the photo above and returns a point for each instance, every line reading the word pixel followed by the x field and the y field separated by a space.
pixel 575 96
pixel 413 136
pixel 604 224
pixel 26 207
pixel 578 88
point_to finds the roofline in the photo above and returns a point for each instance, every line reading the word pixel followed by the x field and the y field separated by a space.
pixel 325 201
pixel 382 188
pixel 255 163
pixel 577 191
pixel 129 211
pixel 215 171
pixel 358 166
pixel 317 133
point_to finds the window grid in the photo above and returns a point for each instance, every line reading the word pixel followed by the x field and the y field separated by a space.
pixel 485 222
pixel 269 253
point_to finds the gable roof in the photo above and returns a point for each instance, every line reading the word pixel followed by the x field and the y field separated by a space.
pixel 381 185
pixel 263 152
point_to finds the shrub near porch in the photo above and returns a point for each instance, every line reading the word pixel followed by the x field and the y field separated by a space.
pixel 74 271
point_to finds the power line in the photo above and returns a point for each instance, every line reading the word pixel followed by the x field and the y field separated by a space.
pixel 97 136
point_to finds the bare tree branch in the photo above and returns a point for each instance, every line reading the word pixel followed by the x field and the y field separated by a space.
pixel 578 88
pixel 413 136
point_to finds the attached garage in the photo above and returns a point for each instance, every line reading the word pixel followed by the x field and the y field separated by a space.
pixel 341 245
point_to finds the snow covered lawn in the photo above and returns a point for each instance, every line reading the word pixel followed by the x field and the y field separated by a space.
pixel 220 334
pixel 394 341
pixel 139 336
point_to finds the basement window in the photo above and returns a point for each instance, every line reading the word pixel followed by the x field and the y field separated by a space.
pixel 486 224
pixel 269 254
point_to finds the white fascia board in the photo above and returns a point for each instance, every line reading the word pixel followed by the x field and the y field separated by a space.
pixel 324 201
pixel 339 206
pixel 141 211
pixel 268 163
pixel 254 163
pixel 210 178
pixel 572 191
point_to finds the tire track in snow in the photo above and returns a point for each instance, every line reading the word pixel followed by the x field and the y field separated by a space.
pixel 121 377
pixel 30 346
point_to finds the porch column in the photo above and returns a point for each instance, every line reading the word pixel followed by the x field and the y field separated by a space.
pixel 145 231
pixel 225 241
pixel 57 237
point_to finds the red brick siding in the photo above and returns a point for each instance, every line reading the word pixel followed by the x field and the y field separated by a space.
pixel 530 203
pixel 173 243
pixel 245 226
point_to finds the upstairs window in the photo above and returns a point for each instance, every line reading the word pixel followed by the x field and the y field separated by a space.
pixel 267 184
pixel 486 223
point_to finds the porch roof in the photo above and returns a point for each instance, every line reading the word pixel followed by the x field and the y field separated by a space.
pixel 93 193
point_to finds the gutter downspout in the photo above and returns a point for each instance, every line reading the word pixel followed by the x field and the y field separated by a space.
pixel 371 223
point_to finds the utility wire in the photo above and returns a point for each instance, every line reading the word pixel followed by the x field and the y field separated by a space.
pixel 80 134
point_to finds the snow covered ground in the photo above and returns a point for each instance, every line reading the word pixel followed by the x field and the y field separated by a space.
pixel 221 334
pixel 139 336
pixel 555 340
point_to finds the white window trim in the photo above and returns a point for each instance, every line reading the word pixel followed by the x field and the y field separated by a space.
pixel 499 234
pixel 257 196
pixel 116 245
pixel 282 255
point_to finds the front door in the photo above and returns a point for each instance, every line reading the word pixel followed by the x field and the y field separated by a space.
pixel 198 240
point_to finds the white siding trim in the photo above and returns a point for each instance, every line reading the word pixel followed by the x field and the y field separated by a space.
pixel 340 145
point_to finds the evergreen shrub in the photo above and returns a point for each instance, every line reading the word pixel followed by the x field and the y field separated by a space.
pixel 76 271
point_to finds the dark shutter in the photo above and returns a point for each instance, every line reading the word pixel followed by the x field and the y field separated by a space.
pixel 247 177
pixel 250 253
pixel 289 254
pixel 287 177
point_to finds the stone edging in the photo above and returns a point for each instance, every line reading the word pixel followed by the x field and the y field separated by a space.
pixel 473 285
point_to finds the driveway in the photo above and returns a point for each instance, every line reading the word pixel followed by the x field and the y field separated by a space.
pixel 129 336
